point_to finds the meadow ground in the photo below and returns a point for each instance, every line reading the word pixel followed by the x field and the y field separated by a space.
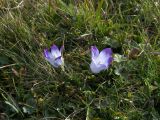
pixel 32 89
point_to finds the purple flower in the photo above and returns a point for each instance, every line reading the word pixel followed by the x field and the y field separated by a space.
pixel 54 56
pixel 100 61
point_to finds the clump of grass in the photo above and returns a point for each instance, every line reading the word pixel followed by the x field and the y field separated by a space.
pixel 32 89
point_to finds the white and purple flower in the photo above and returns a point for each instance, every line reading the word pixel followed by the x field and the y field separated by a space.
pixel 100 61
pixel 54 56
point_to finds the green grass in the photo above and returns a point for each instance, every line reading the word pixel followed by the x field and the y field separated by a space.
pixel 31 89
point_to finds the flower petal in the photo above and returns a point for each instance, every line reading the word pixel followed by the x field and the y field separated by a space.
pixel 62 48
pixel 94 52
pixel 96 68
pixel 55 51
pixel 58 61
pixel 55 62
pixel 105 57
pixel 110 60
pixel 47 54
